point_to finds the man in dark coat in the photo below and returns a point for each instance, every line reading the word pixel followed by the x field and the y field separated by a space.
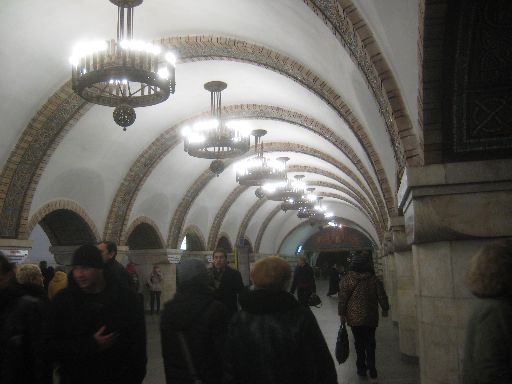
pixel 108 251
pixel 225 281
pixel 95 329
pixel 201 320
pixel 274 339
pixel 303 281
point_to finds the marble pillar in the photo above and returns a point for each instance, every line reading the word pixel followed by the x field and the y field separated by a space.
pixel 405 292
pixel 451 211
pixel 63 255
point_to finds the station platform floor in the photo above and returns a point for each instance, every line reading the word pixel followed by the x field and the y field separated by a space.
pixel 391 366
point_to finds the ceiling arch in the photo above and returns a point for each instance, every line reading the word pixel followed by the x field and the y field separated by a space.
pixel 160 147
pixel 181 211
pixel 197 48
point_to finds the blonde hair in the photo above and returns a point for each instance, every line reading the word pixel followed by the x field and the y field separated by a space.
pixel 490 272
pixel 29 274
pixel 272 272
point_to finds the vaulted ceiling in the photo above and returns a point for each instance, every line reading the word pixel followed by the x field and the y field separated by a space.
pixel 335 84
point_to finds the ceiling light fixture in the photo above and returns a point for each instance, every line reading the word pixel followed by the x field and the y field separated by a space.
pixel 289 190
pixel 123 73
pixel 215 138
pixel 258 169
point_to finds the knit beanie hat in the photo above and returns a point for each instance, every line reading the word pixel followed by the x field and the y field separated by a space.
pixel 192 269
pixel 87 255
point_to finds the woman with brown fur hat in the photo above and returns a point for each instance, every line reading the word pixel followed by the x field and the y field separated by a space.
pixel 488 347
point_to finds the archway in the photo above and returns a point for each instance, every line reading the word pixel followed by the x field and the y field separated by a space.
pixel 144 236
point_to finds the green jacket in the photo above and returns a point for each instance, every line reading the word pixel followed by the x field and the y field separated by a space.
pixel 488 347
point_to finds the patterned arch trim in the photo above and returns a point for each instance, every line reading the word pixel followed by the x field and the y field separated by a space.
pixel 149 158
pixel 249 215
pixel 228 202
pixel 55 205
pixel 342 17
pixel 213 236
pixel 181 211
pixel 26 163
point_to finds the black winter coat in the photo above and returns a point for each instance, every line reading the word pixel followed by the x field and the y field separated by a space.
pixel 274 340
pixel 75 317
pixel 230 286
pixel 203 320
pixel 20 338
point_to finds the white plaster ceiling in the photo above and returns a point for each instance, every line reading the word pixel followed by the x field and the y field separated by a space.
pixel 94 156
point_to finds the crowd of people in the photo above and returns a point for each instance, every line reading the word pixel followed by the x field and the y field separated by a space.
pixel 88 325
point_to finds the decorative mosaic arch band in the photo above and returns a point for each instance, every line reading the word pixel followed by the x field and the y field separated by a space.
pixel 275 113
pixel 135 223
pixel 249 215
pixel 27 161
pixel 55 205
pixel 264 225
pixel 352 202
pixel 341 16
pixel 221 213
pixel 195 48
pixel 355 195
pixel 149 158
pixel 25 165
pixel 228 202
pixel 175 228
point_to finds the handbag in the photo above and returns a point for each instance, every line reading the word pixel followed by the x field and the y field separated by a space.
pixel 314 301
pixel 342 348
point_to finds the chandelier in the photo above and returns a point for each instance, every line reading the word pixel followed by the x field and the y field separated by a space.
pixel 316 213
pixel 304 203
pixel 285 190
pixel 215 138
pixel 258 169
pixel 123 73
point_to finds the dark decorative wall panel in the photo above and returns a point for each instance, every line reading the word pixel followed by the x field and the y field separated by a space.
pixel 478 116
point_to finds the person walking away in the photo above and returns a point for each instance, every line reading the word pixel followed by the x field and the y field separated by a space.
pixel 154 284
pixel 58 282
pixel 225 281
pixel 274 339
pixel 303 281
pixel 360 295
pixel 488 345
pixel 334 281
pixel 95 331
pixel 195 318
pixel 20 335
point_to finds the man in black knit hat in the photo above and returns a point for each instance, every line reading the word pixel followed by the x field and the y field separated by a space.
pixel 95 330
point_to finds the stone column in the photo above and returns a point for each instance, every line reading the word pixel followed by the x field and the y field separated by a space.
pixel 450 211
pixel 63 254
pixel 405 293
pixel 145 259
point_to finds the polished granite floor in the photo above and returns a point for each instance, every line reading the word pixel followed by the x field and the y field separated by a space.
pixel 392 369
